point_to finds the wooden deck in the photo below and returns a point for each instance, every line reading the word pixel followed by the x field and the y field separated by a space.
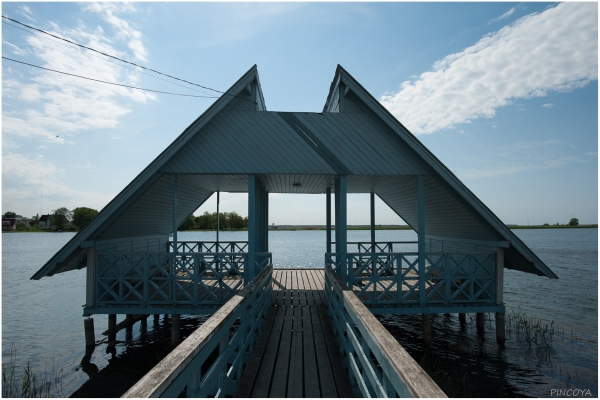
pixel 296 355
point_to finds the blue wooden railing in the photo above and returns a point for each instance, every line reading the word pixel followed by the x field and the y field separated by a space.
pixel 182 280
pixel 211 360
pixel 378 366
pixel 194 246
pixel 388 281
pixel 380 247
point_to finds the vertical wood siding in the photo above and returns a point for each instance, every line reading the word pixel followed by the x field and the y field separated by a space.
pixel 151 213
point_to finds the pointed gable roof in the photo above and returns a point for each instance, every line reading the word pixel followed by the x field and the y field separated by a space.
pixel 347 95
pixel 148 188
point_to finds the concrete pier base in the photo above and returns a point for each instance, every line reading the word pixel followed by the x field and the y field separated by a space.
pixel 500 332
pixel 90 337
pixel 427 330
pixel 480 321
pixel 175 331
pixel 462 318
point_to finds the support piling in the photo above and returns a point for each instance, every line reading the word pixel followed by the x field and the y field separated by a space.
pixel 500 332
pixel 427 329
pixel 175 331
pixel 480 321
pixel 90 337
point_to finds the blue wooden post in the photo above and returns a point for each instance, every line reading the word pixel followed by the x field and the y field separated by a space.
pixel 258 218
pixel 265 226
pixel 249 267
pixel 373 223
pixel 218 220
pixel 421 236
pixel 175 213
pixel 341 225
pixel 328 218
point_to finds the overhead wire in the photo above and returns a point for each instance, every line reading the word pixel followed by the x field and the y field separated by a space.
pixel 104 58
pixel 109 83
pixel 125 61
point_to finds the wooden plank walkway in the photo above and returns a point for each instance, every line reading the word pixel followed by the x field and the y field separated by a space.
pixel 296 354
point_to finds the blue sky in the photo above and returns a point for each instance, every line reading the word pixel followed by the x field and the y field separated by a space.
pixel 505 94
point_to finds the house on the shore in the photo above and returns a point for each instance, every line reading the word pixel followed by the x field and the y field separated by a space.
pixel 45 221
pixel 9 224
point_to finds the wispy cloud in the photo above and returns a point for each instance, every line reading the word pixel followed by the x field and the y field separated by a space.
pixel 527 156
pixel 24 176
pixel 26 12
pixel 505 15
pixel 124 30
pixel 548 105
pixel 228 23
pixel 555 50
pixel 62 105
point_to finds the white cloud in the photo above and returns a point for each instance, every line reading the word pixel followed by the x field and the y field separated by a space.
pixel 26 12
pixel 63 105
pixel 229 23
pixel 24 177
pixel 505 15
pixel 16 49
pixel 526 156
pixel 124 30
pixel 548 105
pixel 555 50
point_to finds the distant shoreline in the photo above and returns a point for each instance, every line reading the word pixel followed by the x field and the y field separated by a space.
pixel 350 228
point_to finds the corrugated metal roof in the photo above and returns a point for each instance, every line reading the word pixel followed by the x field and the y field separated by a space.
pixel 296 153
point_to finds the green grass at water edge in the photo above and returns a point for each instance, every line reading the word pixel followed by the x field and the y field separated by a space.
pixel 30 384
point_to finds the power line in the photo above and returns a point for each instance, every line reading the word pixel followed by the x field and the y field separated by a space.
pixel 109 83
pixel 120 59
pixel 102 58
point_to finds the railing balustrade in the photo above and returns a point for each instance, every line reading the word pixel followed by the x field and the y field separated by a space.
pixel 211 360
pixel 392 279
pixel 194 246
pixel 378 366
pixel 171 279
pixel 381 247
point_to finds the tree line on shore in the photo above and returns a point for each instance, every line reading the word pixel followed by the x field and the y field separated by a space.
pixel 60 219
pixel 227 221
pixel 64 219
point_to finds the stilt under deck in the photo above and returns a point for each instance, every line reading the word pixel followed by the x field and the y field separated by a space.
pixel 296 354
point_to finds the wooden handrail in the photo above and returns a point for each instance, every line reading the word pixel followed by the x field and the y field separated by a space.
pixel 393 359
pixel 158 380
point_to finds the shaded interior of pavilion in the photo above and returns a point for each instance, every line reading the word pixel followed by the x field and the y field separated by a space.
pixel 198 276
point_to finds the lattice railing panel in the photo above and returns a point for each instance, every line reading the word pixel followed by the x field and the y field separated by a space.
pixel 394 278
pixel 159 279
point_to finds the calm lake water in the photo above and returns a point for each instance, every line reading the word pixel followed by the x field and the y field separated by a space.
pixel 42 320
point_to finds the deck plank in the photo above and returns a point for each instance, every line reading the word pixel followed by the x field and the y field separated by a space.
pixel 288 293
pixel 324 365
pixel 246 383
pixel 340 375
pixel 263 380
pixel 296 354
pixel 295 381
pixel 280 377
pixel 311 375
